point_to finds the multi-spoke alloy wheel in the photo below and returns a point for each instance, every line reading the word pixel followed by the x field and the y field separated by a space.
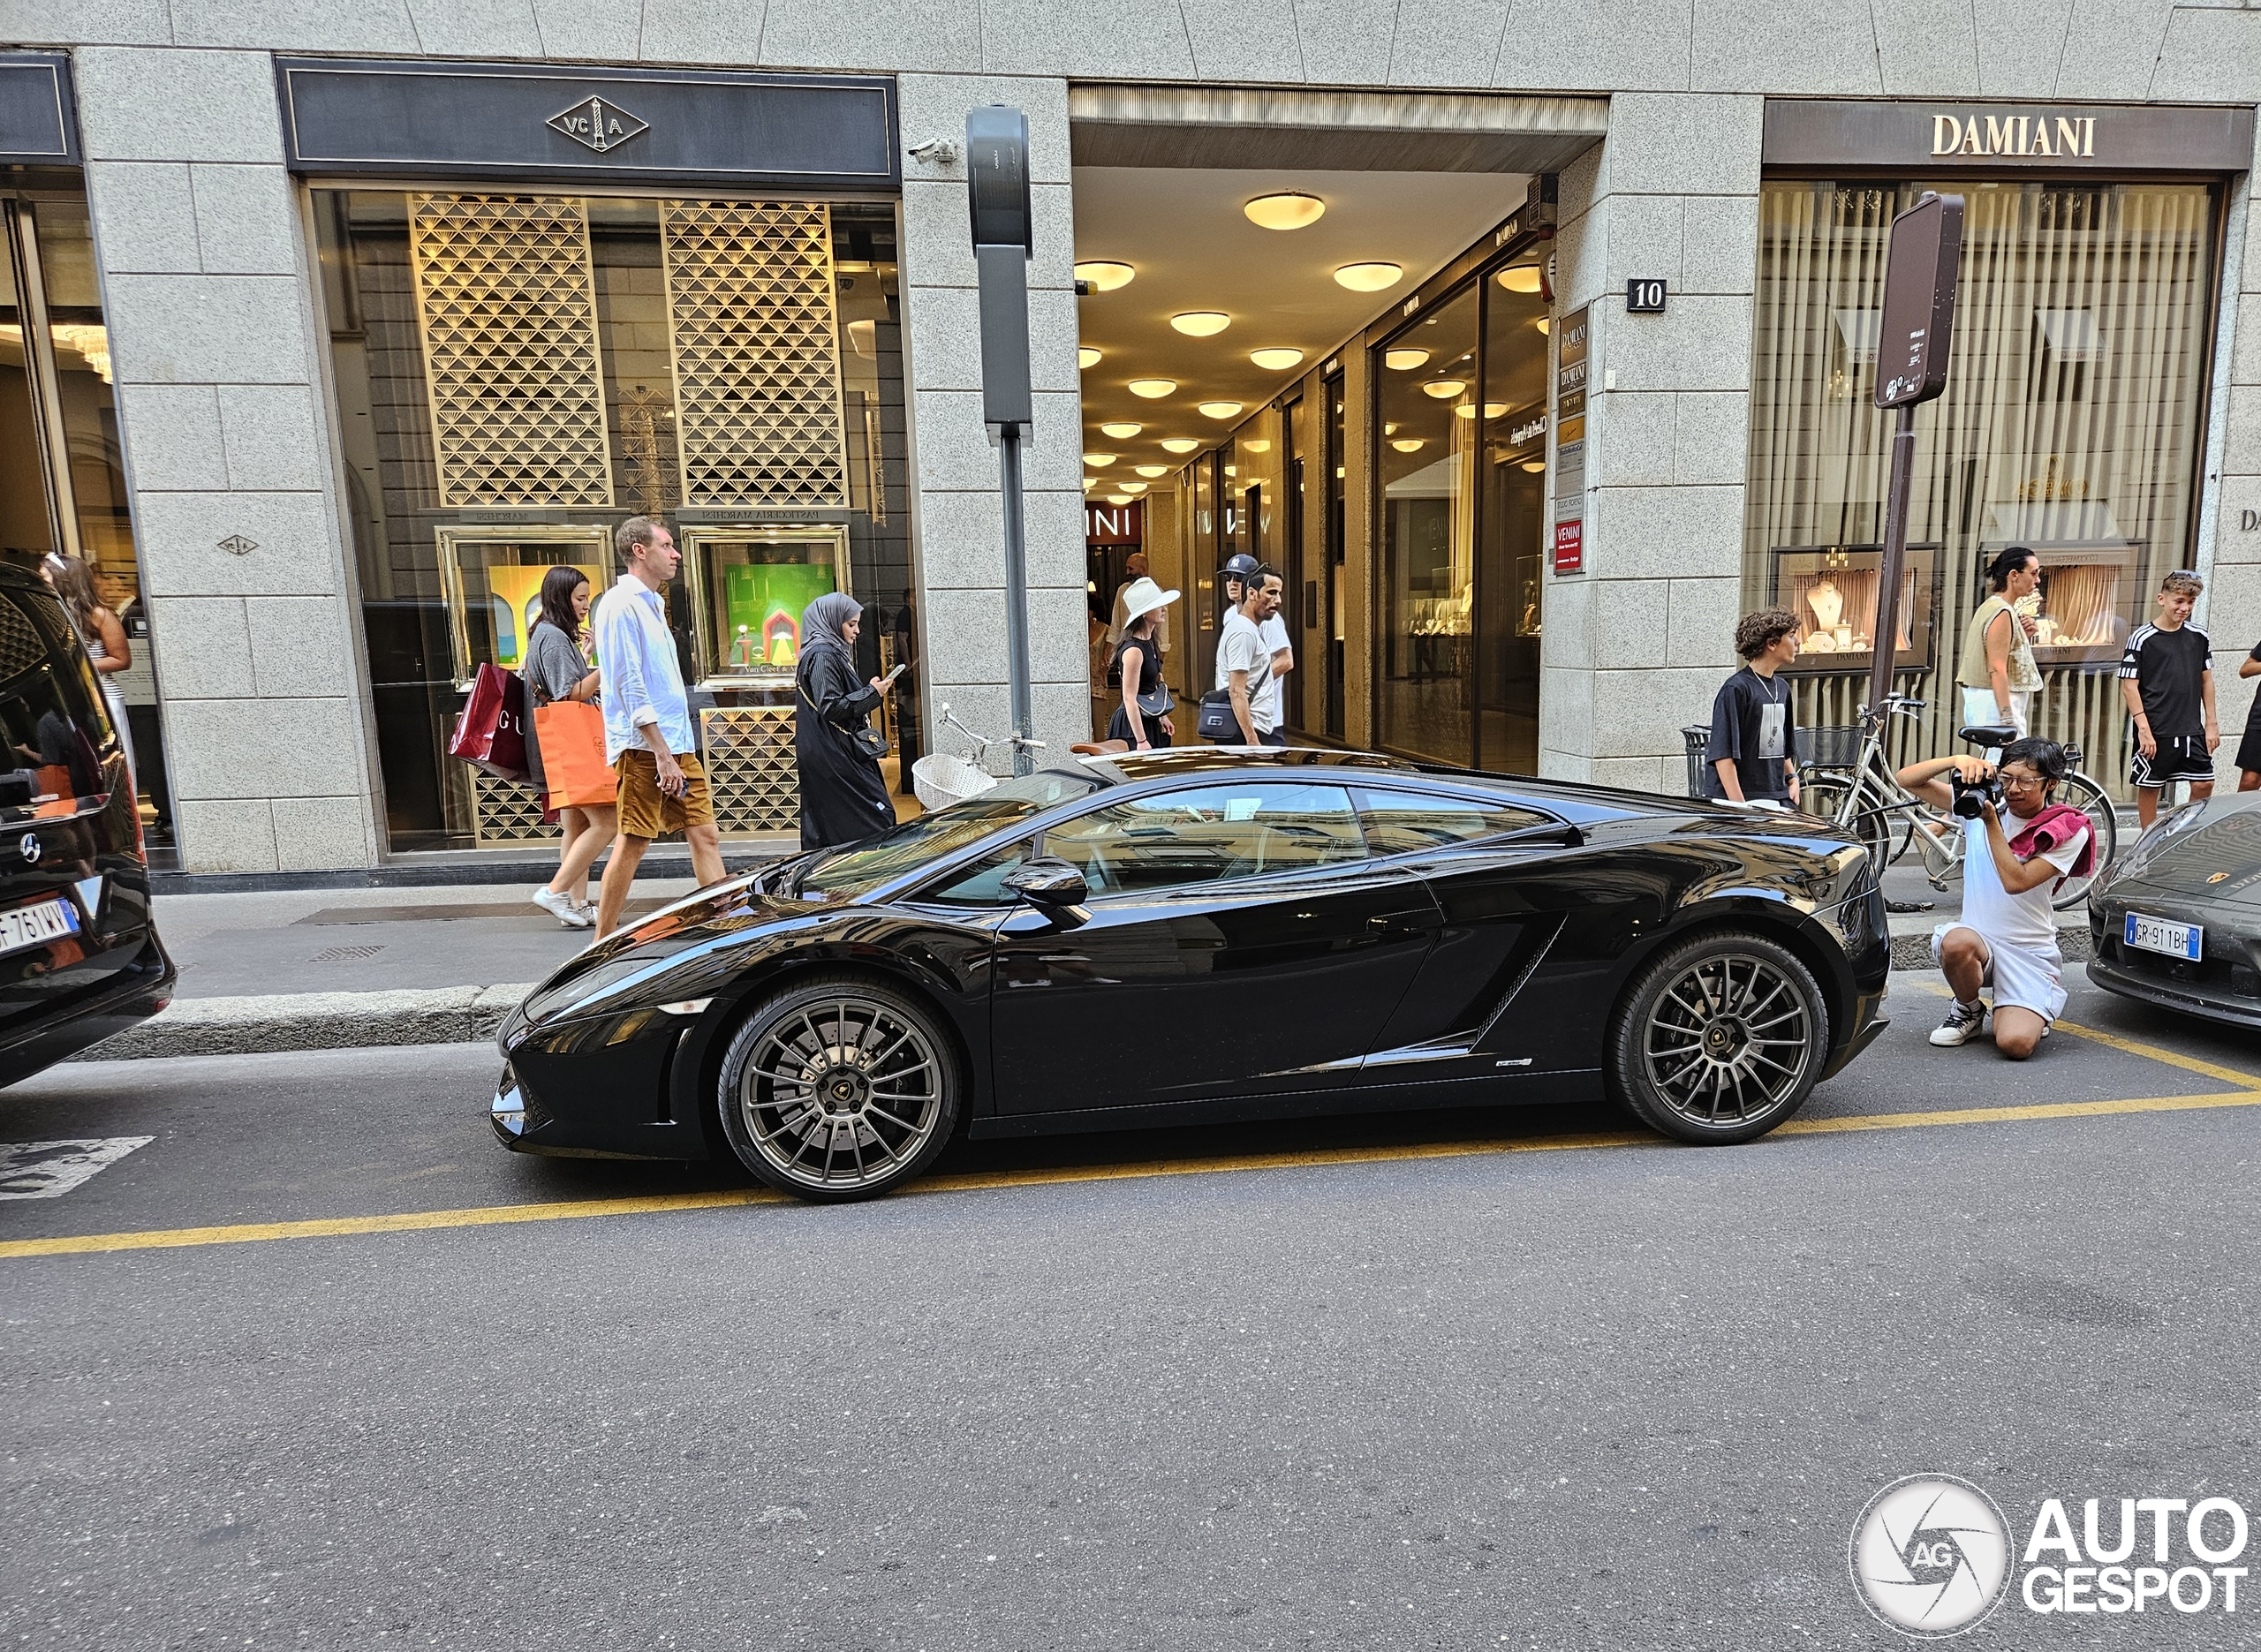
pixel 1720 1039
pixel 839 1088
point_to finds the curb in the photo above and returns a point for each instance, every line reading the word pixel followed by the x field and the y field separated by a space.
pixel 264 1023
pixel 1914 951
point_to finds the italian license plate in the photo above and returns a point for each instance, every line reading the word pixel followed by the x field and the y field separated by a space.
pixel 2156 934
pixel 36 925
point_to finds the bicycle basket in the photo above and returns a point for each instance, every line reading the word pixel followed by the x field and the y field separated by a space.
pixel 942 778
pixel 1832 746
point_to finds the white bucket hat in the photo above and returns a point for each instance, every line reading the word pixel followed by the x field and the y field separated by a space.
pixel 1142 596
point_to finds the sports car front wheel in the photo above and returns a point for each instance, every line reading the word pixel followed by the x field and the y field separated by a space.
pixel 1719 1040
pixel 837 1088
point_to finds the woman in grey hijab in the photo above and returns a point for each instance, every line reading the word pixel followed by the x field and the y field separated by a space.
pixel 844 795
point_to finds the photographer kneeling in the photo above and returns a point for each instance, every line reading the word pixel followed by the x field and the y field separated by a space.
pixel 2007 937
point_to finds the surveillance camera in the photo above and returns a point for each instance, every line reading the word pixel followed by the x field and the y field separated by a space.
pixel 941 151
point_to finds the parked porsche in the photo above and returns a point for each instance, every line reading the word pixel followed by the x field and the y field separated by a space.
pixel 1194 936
pixel 2177 920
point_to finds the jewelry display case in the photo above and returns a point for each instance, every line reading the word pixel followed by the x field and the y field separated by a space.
pixel 2082 611
pixel 1833 590
pixel 749 583
pixel 492 580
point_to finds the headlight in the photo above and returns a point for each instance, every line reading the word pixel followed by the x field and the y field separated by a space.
pixel 2157 836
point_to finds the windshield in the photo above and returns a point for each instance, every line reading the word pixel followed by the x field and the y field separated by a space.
pixel 860 868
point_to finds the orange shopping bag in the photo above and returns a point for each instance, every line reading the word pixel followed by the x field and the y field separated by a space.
pixel 572 736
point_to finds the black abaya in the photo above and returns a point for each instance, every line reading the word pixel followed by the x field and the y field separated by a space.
pixel 844 795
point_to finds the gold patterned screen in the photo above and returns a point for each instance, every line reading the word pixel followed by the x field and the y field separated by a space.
pixel 756 352
pixel 506 305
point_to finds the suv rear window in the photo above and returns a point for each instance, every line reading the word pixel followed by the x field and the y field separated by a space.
pixel 51 713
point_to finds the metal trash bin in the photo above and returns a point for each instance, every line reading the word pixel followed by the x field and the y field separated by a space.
pixel 1698 735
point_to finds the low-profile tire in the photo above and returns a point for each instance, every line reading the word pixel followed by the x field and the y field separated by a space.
pixel 839 1087
pixel 1718 1040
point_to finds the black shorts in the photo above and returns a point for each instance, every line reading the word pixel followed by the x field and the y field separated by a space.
pixel 2184 757
pixel 2248 749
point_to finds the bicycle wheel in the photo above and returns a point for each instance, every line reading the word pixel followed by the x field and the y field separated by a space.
pixel 2104 820
pixel 1871 826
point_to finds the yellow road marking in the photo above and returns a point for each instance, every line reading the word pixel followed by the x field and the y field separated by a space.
pixel 162 1239
pixel 2130 1046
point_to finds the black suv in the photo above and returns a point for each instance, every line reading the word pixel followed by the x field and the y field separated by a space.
pixel 80 957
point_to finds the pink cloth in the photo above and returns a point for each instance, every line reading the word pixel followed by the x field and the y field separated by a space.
pixel 2057 823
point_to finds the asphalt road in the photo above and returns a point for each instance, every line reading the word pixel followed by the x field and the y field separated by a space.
pixel 1419 1389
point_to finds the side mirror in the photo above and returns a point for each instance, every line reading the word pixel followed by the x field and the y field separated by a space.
pixel 1047 883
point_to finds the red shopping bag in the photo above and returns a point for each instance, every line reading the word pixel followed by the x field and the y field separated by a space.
pixel 572 734
pixel 491 732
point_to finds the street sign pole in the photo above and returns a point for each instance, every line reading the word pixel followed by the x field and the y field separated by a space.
pixel 1912 347
pixel 997 195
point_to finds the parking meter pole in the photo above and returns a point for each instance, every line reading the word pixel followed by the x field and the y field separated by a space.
pixel 1896 555
pixel 1017 662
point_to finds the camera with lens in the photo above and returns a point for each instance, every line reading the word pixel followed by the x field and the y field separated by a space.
pixel 1971 796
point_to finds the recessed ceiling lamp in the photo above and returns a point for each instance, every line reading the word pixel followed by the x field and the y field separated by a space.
pixel 1405 360
pixel 1288 210
pixel 1201 323
pixel 1086 357
pixel 1134 487
pixel 1520 278
pixel 1232 470
pixel 1105 278
pixel 1152 470
pixel 1099 461
pixel 1276 360
pixel 1544 325
pixel 1258 446
pixel 1220 410
pixel 1534 465
pixel 1180 444
pixel 1444 389
pixel 1369 277
pixel 1407 444
pixel 1492 409
pixel 1389 430
pixel 1152 389
pixel 1118 499
pixel 1121 430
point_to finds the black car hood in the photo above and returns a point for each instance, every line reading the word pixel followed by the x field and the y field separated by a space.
pixel 2220 859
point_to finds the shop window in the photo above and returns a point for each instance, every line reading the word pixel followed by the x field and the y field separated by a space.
pixel 518 374
pixel 2072 423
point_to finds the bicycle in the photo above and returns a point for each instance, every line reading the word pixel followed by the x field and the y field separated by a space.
pixel 1867 799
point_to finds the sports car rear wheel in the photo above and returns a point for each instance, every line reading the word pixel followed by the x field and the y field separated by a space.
pixel 837 1088
pixel 1720 1039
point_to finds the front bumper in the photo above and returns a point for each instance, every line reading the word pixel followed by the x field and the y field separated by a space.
pixel 2224 985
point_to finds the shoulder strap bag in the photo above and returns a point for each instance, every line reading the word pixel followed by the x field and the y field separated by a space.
pixel 1216 720
pixel 866 739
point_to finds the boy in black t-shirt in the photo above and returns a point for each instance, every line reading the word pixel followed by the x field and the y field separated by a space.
pixel 1752 751
pixel 2169 687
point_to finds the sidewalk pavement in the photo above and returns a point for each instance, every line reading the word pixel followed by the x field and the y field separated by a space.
pixel 345 969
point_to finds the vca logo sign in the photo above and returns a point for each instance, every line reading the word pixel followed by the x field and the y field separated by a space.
pixel 598 124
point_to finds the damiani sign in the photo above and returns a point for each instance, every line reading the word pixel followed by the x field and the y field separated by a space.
pixel 2073 137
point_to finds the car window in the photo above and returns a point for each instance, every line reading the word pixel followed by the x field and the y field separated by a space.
pixel 51 713
pixel 862 867
pixel 1400 822
pixel 981 883
pixel 1202 834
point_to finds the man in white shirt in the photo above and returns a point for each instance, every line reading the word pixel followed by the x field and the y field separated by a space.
pixel 2007 937
pixel 647 734
pixel 1245 660
pixel 1232 580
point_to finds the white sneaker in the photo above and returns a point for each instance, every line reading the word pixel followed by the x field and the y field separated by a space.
pixel 561 908
pixel 588 911
pixel 1963 1022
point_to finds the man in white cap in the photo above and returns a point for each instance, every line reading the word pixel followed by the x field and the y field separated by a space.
pixel 1142 720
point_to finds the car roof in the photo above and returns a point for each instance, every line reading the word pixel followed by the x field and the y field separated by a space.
pixel 1127 768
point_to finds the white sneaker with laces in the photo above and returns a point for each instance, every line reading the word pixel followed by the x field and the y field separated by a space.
pixel 588 911
pixel 1963 1022
pixel 561 908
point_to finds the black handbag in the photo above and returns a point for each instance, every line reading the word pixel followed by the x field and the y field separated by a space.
pixel 1216 720
pixel 1160 703
pixel 868 739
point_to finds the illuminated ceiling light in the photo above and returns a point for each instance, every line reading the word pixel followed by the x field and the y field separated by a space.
pixel 1099 461
pixel 1220 410
pixel 1534 465
pixel 1105 278
pixel 1369 277
pixel 1444 389
pixel 1201 323
pixel 1544 325
pixel 1288 210
pixel 1180 444
pixel 1118 499
pixel 1134 487
pixel 1405 360
pixel 1232 470
pixel 1276 360
pixel 1121 430
pixel 1086 357
pixel 1341 471
pixel 1492 409
pixel 1259 446
pixel 1152 389
pixel 1407 444
pixel 1152 470
pixel 1521 278
pixel 1389 430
